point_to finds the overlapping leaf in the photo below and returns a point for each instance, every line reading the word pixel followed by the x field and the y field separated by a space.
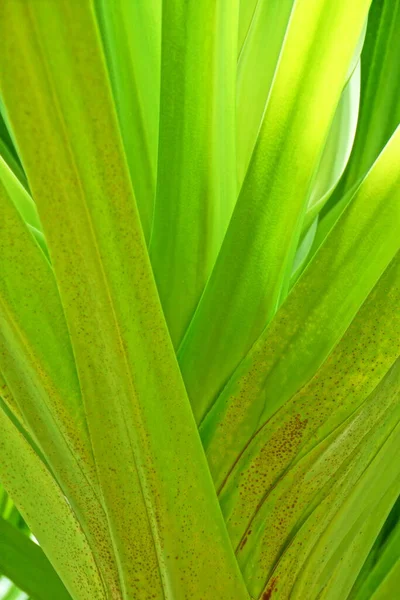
pixel 314 316
pixel 131 33
pixel 297 397
pixel 196 181
pixel 167 532
pixel 255 260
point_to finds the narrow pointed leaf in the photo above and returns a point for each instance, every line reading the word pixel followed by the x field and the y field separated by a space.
pixel 246 12
pixel 8 152
pixel 23 201
pixel 333 162
pixel 337 148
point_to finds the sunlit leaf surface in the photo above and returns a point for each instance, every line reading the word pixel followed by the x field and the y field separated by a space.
pixel 199 300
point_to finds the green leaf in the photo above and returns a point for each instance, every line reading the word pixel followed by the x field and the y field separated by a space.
pixel 381 569
pixel 48 514
pixel 348 479
pixel 168 534
pixel 10 402
pixel 37 361
pixel 9 512
pixel 337 148
pixel 389 586
pixel 7 151
pixel 355 546
pixel 38 368
pixel 255 259
pixel 23 202
pixel 131 34
pixel 380 106
pixel 318 232
pixel 358 363
pixel 256 68
pixel 25 564
pixel 313 318
pixel 333 161
pixel 246 12
pixel 196 181
pixel 379 113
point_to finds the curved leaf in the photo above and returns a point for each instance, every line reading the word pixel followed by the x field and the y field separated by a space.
pixel 380 105
pixel 337 148
pixel 7 151
pixel 23 203
pixel 246 12
pixel 379 108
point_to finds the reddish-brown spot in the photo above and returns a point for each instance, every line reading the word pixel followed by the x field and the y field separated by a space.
pixel 272 587
pixel 243 542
